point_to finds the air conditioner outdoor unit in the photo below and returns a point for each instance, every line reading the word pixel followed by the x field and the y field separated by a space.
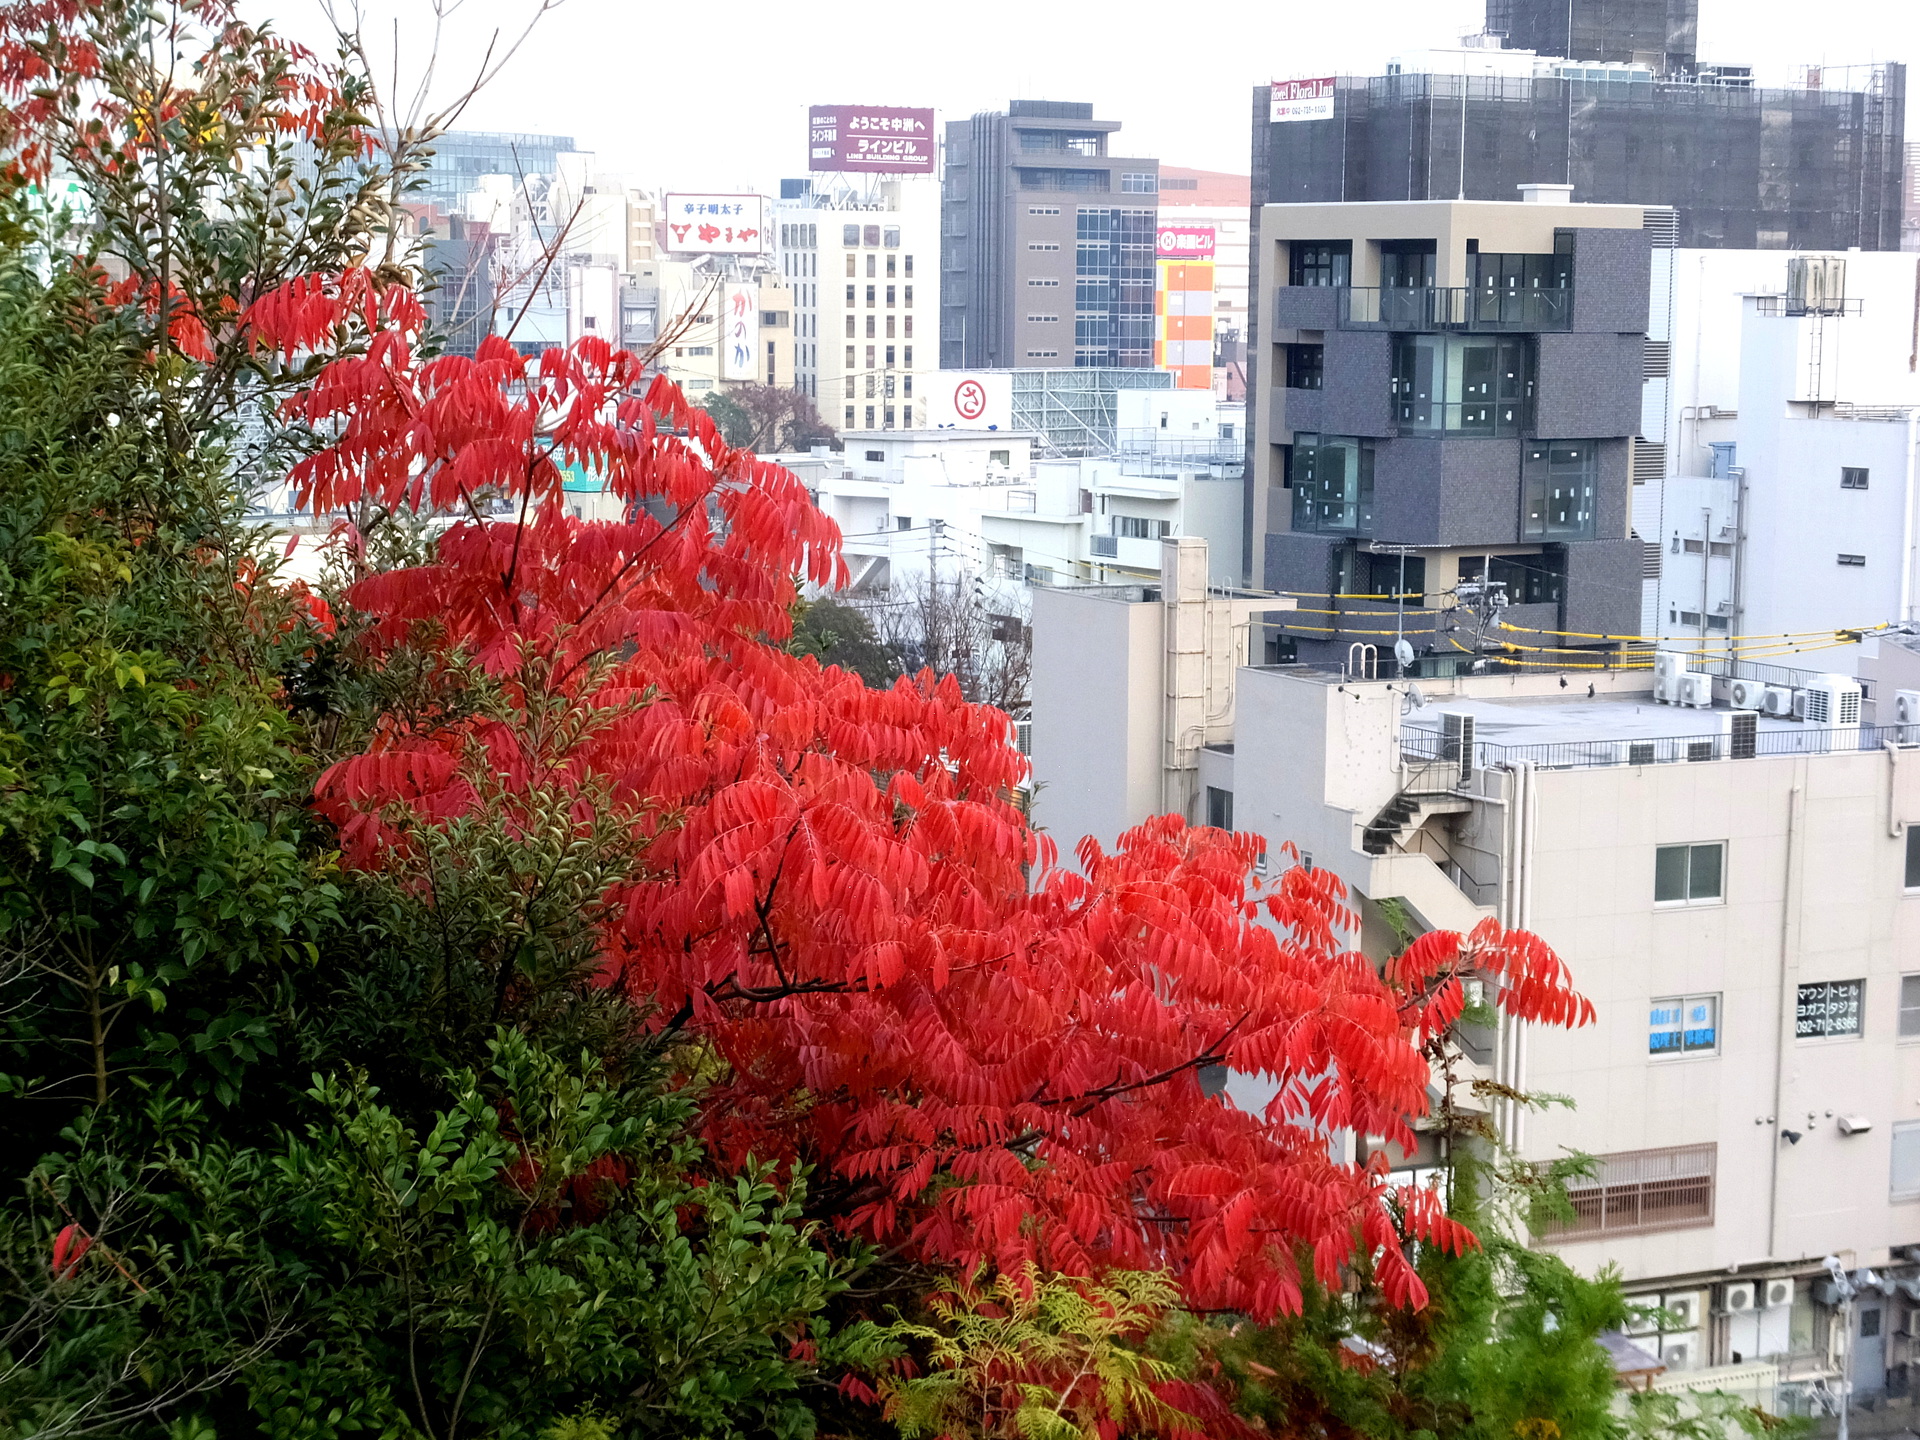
pixel 1739 1298
pixel 1776 700
pixel 1777 1293
pixel 1456 741
pixel 1742 731
pixel 1684 1308
pixel 1696 691
pixel 1677 1351
pixel 1634 752
pixel 1668 667
pixel 1906 708
pixel 1831 702
pixel 1745 694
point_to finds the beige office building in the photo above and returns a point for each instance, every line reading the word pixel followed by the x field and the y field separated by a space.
pixel 1737 890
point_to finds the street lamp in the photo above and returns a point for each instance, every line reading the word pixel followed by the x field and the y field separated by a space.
pixel 1843 1283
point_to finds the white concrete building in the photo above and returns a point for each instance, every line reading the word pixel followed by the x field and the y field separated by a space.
pixel 864 266
pixel 1741 906
pixel 1789 432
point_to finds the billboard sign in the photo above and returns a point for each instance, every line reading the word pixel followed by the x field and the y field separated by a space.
pixel 969 399
pixel 1184 242
pixel 1301 100
pixel 740 332
pixel 877 139
pixel 717 224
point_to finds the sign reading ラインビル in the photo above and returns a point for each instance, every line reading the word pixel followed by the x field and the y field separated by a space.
pixel 877 139
pixel 1301 100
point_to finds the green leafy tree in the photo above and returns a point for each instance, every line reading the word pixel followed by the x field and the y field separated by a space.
pixel 841 634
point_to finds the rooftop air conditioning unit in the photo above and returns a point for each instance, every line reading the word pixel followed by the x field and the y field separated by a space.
pixel 1738 1299
pixel 1635 752
pixel 1456 741
pixel 1745 694
pixel 1777 1293
pixel 1906 714
pixel 1742 731
pixel 1677 1351
pixel 1696 691
pixel 1668 667
pixel 1776 700
pixel 1831 702
pixel 1684 1308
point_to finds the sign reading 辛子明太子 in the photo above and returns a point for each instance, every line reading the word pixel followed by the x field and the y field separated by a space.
pixel 1302 100
pixel 716 224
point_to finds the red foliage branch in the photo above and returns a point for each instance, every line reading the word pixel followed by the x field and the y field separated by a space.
pixel 833 885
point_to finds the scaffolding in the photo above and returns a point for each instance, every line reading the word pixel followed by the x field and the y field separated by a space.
pixel 1072 412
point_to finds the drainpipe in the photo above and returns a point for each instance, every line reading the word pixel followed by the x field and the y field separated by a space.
pixel 1783 1011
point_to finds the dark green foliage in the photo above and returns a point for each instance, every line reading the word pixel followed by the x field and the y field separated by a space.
pixel 736 426
pixel 839 634
pixel 320 1155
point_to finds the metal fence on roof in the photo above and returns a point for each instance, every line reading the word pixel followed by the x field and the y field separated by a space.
pixel 1422 745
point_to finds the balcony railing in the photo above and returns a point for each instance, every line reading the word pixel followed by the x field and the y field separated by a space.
pixel 1437 307
pixel 1418 746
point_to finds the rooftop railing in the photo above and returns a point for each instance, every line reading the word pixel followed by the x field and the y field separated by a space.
pixel 1420 747
pixel 1440 307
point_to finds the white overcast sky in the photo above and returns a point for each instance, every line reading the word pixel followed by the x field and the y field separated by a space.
pixel 714 97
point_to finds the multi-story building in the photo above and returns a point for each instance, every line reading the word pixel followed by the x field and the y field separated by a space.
pixel 1910 231
pixel 863 265
pixel 1606 96
pixel 1047 242
pixel 1738 895
pixel 1790 441
pixel 1219 202
pixel 462 157
pixel 1447 395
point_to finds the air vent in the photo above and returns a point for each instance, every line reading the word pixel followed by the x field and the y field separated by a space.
pixel 1649 561
pixel 1104 547
pixel 1456 741
pixel 1659 360
pixel 1640 752
pixel 1700 750
pixel 1743 735
pixel 1649 462
pixel 1662 224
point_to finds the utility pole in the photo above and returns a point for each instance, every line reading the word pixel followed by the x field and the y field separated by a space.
pixel 1843 1283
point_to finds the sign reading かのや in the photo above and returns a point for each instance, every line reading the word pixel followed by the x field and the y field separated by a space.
pixel 739 332
pixel 716 224
pixel 878 139
pixel 1301 100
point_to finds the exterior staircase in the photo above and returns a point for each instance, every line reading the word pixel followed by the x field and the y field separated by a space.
pixel 1407 811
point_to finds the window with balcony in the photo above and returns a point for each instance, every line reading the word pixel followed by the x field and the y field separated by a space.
pixel 1332 481
pixel 1407 264
pixel 1524 289
pixel 1558 484
pixel 1524 579
pixel 1463 384
pixel 1306 366
pixel 1636 1191
pixel 1319 262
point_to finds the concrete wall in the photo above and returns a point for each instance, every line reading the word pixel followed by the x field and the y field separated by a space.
pixel 1611 272
pixel 1096 714
pixel 1832 909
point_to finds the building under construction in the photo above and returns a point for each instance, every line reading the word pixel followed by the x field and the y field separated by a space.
pixel 1609 97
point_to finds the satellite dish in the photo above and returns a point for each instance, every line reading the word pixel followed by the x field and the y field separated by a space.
pixel 1417 697
pixel 1403 652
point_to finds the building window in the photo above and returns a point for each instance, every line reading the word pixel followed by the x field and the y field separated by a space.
pixel 1913 857
pixel 1332 481
pixel 1909 1006
pixel 1462 384
pixel 1684 1025
pixel 1905 1177
pixel 850 294
pixel 1219 808
pixel 890 260
pixel 869 417
pixel 890 357
pixel 1043 245
pixel 1853 477
pixel 1043 354
pixel 870 327
pixel 869 235
pixel 1043 319
pixel 849 235
pixel 890 294
pixel 870 294
pixel 850 331
pixel 1306 366
pixel 1319 262
pixel 1688 874
pixel 1043 209
pixel 1856 561
pixel 906 326
pixel 849 424
pixel 906 352
pixel 1828 1008
pixel 1037 283
pixel 907 268
pixel 906 296
pixel 1135 183
pixel 851 362
pixel 877 455
pixel 890 237
pixel 1558 483
pixel 1523 579
pixel 1133 527
pixel 1635 1191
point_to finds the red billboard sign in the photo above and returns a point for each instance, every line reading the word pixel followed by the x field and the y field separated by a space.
pixel 878 139
pixel 1184 242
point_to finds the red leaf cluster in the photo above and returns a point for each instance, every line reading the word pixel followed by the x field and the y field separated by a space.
pixel 991 1057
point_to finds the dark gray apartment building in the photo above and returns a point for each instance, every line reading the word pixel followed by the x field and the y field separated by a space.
pixel 1448 395
pixel 1046 242
pixel 1616 104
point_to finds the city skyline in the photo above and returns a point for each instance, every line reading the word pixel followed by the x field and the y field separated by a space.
pixel 732 119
